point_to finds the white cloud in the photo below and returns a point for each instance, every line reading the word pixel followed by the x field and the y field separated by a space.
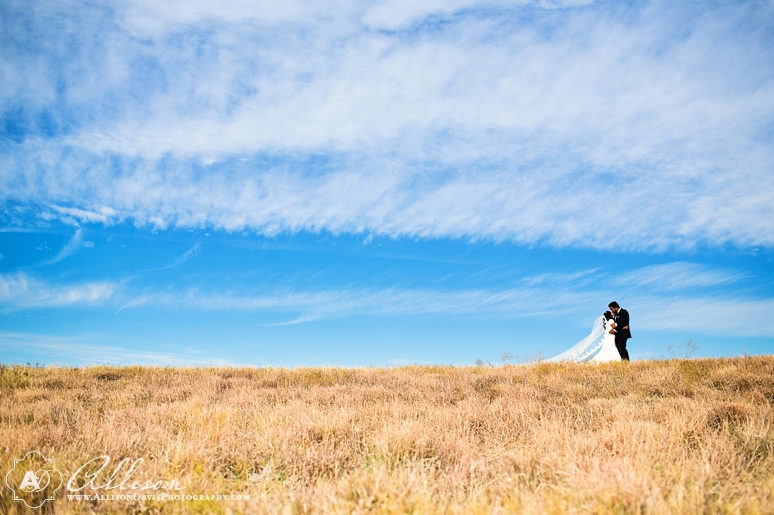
pixel 397 14
pixel 85 350
pixel 677 276
pixel 642 127
pixel 653 305
pixel 716 316
pixel 152 19
pixel 104 215
pixel 133 303
pixel 73 245
pixel 713 314
pixel 401 14
pixel 563 279
pixel 188 254
pixel 327 304
pixel 20 290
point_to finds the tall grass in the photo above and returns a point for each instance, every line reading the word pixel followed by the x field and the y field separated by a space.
pixel 676 436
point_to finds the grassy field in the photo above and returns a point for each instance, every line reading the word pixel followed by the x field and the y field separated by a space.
pixel 674 436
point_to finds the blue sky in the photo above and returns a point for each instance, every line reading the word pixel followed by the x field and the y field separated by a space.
pixel 382 183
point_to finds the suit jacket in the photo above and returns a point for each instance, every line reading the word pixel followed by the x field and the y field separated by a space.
pixel 621 320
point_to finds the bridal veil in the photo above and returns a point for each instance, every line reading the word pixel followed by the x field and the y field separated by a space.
pixel 584 349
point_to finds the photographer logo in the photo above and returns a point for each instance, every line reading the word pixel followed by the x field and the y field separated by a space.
pixel 34 480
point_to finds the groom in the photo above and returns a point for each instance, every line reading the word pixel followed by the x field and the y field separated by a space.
pixel 620 329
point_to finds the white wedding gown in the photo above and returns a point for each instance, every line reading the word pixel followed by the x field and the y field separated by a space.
pixel 597 347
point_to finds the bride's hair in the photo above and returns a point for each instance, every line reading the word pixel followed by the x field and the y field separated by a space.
pixel 608 315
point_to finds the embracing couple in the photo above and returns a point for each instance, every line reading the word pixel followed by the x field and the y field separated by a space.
pixel 607 341
pixel 617 325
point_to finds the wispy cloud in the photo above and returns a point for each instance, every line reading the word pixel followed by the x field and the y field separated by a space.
pixel 652 310
pixel 74 216
pixel 495 120
pixel 328 304
pixel 21 290
pixel 715 315
pixel 554 278
pixel 188 254
pixel 659 308
pixel 74 244
pixel 678 276
pixel 139 301
pixel 87 350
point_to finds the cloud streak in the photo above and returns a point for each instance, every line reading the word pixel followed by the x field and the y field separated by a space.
pixel 663 297
pixel 75 243
pixel 711 314
pixel 22 291
pixel 83 350
pixel 678 276
pixel 188 254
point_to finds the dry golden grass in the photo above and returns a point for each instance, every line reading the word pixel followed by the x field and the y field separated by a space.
pixel 679 436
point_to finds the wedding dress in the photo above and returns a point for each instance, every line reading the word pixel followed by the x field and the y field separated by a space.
pixel 596 347
pixel 608 351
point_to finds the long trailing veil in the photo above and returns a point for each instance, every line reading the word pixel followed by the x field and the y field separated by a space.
pixel 584 349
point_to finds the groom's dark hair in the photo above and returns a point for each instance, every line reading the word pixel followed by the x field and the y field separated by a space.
pixel 613 304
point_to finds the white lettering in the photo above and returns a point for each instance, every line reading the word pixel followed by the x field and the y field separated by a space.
pixel 30 482
pixel 90 477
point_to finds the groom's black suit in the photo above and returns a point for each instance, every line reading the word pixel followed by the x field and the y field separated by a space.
pixel 621 320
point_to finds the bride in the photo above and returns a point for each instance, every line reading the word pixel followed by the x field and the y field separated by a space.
pixel 597 347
